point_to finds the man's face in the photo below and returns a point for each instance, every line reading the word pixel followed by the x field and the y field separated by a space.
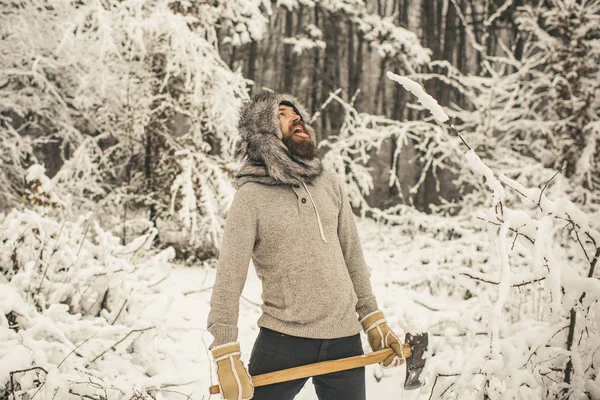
pixel 296 136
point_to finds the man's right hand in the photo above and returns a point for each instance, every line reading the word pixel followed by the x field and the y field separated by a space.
pixel 234 380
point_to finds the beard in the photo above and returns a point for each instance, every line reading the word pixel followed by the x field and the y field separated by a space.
pixel 305 149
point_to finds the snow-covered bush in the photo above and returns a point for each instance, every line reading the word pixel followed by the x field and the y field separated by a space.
pixel 527 351
pixel 82 315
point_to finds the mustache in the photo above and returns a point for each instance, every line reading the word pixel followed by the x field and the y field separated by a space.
pixel 298 123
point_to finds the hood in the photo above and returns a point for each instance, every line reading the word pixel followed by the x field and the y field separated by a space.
pixel 265 159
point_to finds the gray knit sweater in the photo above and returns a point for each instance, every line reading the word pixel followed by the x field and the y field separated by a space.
pixel 296 224
pixel 306 251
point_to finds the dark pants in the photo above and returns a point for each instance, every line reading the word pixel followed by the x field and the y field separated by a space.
pixel 274 351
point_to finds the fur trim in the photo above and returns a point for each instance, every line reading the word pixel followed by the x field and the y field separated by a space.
pixel 266 159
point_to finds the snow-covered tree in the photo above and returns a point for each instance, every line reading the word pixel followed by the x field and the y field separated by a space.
pixel 546 350
pixel 532 113
pixel 115 91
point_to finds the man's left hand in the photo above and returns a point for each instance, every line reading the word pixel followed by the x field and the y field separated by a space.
pixel 381 336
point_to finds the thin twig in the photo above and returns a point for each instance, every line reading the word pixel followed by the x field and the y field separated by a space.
pixel 198 291
pixel 514 241
pixel 53 252
pixel 117 343
pixel 448 388
pixel 577 236
pixel 516 190
pixel 539 202
pixel 160 281
pixel 552 337
pixel 21 371
pixel 83 396
pixel 87 228
pixel 75 349
pixel 37 391
pixel 435 381
pixel 593 263
pixel 458 134
pixel 120 311
pixel 187 396
pixel 510 229
pixel 426 306
pixel 497 283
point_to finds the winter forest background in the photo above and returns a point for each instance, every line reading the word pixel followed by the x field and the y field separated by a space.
pixel 118 128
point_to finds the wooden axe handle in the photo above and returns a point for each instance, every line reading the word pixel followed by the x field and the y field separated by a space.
pixel 321 368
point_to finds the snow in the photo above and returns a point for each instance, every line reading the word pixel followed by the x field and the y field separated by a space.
pixel 172 353
pixel 83 310
pixel 152 336
pixel 302 44
pixel 425 99
pixel 493 183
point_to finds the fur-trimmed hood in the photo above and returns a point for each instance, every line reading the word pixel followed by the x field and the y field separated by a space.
pixel 265 159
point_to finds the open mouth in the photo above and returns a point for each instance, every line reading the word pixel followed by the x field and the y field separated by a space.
pixel 299 132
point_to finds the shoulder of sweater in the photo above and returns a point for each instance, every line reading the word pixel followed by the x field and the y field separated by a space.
pixel 254 193
pixel 331 178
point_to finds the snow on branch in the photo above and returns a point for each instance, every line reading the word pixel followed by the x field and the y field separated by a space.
pixel 569 290
pixel 425 99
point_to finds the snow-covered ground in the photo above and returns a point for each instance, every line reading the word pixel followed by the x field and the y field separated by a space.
pixel 388 262
pixel 173 301
pixel 90 317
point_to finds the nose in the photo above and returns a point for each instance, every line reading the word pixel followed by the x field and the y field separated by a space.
pixel 295 117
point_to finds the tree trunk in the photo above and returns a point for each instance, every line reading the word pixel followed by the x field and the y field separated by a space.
pixel 359 65
pixel 445 91
pixel 252 60
pixel 351 73
pixel 380 91
pixel 232 57
pixel 288 66
pixel 314 95
pixel 332 116
pixel 477 33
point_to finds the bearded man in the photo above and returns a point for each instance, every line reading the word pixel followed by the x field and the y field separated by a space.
pixel 295 222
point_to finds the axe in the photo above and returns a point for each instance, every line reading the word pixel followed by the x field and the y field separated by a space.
pixel 413 350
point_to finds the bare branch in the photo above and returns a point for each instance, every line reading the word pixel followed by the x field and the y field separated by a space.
pixel 21 371
pixel 75 349
pixel 198 291
pixel 120 311
pixel 458 134
pixel 160 281
pixel 53 252
pixel 497 283
pixel 594 262
pixel 577 236
pixel 118 342
pixel 511 229
pixel 539 202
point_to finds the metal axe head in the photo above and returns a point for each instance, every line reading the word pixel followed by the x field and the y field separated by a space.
pixel 415 363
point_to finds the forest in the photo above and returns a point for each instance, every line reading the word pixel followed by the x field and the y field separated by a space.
pixel 118 130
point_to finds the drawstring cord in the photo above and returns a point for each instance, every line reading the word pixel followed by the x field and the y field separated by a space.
pixel 316 212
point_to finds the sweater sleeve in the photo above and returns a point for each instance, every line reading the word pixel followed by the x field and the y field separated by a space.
pixel 232 270
pixel 353 255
